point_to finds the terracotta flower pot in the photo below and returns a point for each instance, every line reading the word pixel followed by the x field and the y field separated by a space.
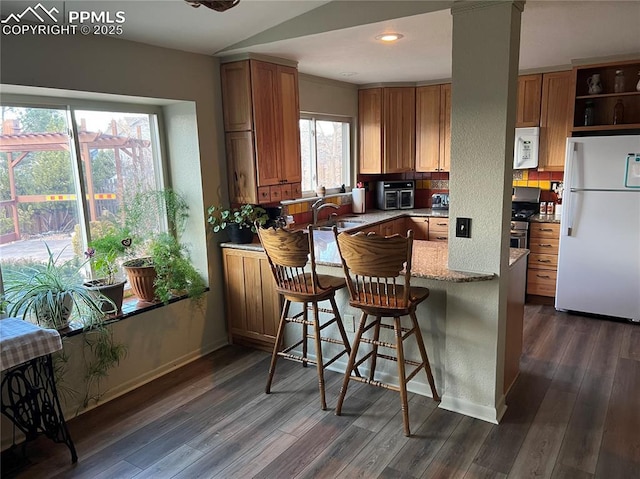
pixel 141 276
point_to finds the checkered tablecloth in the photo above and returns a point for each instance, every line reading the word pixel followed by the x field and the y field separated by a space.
pixel 21 341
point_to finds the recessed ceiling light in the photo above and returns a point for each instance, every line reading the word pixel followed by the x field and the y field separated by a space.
pixel 389 37
pixel 348 74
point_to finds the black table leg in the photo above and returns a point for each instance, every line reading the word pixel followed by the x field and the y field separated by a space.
pixel 30 401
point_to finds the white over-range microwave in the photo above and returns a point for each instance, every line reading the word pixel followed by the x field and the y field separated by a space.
pixel 525 148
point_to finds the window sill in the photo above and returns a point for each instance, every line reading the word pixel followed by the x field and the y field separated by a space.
pixel 131 306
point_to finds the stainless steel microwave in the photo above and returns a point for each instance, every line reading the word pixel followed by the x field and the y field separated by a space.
pixel 395 195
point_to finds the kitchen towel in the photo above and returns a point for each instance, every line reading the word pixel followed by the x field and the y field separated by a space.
pixel 358 200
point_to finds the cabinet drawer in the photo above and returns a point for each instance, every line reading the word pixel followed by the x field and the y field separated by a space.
pixel 275 193
pixel 543 261
pixel 544 230
pixel 264 194
pixel 541 282
pixel 544 245
pixel 438 235
pixel 439 224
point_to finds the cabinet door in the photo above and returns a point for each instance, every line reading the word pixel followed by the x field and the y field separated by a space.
pixel 420 227
pixel 370 120
pixel 291 164
pixel 241 167
pixel 555 120
pixel 253 304
pixel 529 93
pixel 236 96
pixel 427 128
pixel 445 127
pixel 266 114
pixel 399 125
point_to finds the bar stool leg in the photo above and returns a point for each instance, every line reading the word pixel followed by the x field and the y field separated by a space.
pixel 425 358
pixel 374 357
pixel 305 333
pixel 319 361
pixel 350 364
pixel 402 378
pixel 278 343
pixel 343 333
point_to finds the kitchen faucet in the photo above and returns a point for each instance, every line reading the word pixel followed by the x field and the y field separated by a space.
pixel 318 205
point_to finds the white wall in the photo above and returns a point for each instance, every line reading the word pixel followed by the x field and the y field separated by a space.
pixel 164 338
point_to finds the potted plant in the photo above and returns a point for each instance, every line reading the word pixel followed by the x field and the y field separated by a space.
pixel 47 293
pixel 164 269
pixel 240 221
pixel 104 253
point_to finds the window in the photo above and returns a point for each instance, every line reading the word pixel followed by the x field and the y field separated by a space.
pixel 67 172
pixel 326 152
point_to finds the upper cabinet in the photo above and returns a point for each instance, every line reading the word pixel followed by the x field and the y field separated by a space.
pixel 433 128
pixel 387 130
pixel 606 97
pixel 555 120
pixel 261 112
pixel 529 92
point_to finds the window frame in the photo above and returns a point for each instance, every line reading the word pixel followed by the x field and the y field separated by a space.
pixel 70 106
pixel 347 165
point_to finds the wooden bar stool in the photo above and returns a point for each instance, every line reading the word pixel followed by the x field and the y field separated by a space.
pixel 372 266
pixel 288 254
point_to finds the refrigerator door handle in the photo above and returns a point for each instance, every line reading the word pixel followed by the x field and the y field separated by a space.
pixel 571 174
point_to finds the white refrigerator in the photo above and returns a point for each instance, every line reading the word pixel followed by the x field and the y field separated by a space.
pixel 599 252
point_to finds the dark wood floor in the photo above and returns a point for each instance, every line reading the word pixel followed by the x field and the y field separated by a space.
pixel 573 413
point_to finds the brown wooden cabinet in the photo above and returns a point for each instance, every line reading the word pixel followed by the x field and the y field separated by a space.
pixel 604 102
pixel 433 128
pixel 252 302
pixel 438 229
pixel 555 120
pixel 419 225
pixel 387 130
pixel 260 99
pixel 529 95
pixel 543 259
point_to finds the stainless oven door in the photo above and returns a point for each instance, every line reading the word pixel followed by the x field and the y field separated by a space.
pixel 406 199
pixel 391 200
pixel 518 239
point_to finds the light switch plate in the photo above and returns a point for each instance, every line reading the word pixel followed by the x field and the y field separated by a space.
pixel 463 227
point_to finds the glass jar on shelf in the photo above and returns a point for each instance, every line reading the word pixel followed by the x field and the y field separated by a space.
pixel 618 82
pixel 589 113
pixel 618 113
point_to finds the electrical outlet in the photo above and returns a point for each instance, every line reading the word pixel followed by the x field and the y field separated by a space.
pixel 463 227
pixel 349 323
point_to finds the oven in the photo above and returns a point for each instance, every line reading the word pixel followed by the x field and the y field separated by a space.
pixel 395 195
pixel 519 234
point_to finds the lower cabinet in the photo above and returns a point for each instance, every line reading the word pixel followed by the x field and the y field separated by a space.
pixel 544 239
pixel 439 229
pixel 252 303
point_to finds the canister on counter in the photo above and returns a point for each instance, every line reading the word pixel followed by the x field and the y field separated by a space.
pixel 550 207
pixel 543 207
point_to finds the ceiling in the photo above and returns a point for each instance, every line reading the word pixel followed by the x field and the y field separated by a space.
pixel 337 39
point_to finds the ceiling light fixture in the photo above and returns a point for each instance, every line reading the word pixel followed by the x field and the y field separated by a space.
pixel 348 74
pixel 218 6
pixel 389 37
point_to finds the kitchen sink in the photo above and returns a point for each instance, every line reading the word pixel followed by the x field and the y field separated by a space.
pixel 340 224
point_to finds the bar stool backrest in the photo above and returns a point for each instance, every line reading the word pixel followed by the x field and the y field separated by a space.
pixel 288 253
pixel 372 266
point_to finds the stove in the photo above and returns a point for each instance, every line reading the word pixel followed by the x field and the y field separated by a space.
pixel 524 204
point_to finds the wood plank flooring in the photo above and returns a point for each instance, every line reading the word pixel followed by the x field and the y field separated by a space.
pixel 574 412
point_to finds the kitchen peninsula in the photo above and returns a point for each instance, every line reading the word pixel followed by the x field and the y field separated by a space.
pixel 455 342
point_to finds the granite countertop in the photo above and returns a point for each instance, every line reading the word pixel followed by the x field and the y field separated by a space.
pixel 538 218
pixel 429 257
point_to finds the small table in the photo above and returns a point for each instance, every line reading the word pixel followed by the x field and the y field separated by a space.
pixel 29 394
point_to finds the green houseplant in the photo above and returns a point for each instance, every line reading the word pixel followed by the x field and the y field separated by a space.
pixel 47 293
pixel 240 221
pixel 163 268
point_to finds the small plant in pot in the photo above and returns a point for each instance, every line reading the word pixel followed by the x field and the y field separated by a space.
pixel 240 221
pixel 104 253
pixel 48 293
